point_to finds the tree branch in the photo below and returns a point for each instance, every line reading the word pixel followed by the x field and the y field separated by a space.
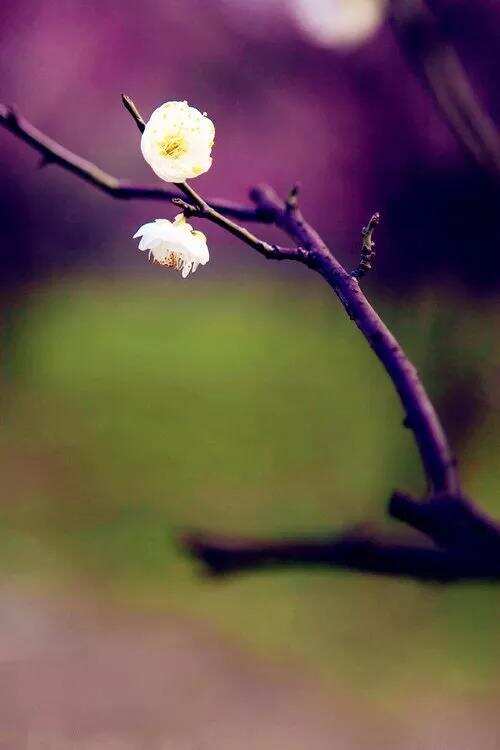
pixel 199 207
pixel 461 544
pixel 464 543
pixel 431 440
pixel 361 550
pixel 452 522
pixel 438 65
pixel 134 112
pixel 421 417
pixel 53 153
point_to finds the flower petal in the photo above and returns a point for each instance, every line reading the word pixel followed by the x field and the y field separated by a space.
pixel 177 141
pixel 142 230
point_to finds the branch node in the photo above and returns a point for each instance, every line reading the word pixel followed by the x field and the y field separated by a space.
pixel 451 521
pixel 187 208
pixel 367 248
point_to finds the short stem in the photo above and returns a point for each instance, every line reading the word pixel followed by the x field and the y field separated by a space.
pixel 132 109
pixel 204 210
pixel 195 198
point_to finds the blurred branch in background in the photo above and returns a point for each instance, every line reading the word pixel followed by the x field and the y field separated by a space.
pixel 467 546
pixel 463 542
pixel 435 61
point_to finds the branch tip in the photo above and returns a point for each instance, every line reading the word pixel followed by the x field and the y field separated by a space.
pixel 187 208
pixel 209 551
pixel 134 112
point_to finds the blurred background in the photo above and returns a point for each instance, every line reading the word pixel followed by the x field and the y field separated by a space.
pixel 136 404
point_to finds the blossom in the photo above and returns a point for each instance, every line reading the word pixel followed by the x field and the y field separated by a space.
pixel 339 23
pixel 177 142
pixel 174 244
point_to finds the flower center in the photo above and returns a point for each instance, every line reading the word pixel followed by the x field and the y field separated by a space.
pixel 173 146
pixel 171 260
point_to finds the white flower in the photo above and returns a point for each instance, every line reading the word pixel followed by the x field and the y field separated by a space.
pixel 174 244
pixel 177 142
pixel 339 23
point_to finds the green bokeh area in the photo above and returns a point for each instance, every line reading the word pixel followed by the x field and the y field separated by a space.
pixel 135 411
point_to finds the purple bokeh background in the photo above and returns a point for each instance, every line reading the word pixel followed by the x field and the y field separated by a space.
pixel 354 126
pixel 106 451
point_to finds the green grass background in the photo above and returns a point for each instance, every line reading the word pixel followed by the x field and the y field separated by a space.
pixel 136 410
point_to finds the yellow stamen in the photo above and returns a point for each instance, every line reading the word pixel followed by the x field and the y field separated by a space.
pixel 172 260
pixel 173 146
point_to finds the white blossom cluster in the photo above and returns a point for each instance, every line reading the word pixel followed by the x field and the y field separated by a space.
pixel 177 144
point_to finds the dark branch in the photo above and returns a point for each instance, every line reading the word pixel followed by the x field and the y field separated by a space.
pixel 437 458
pixel 53 153
pixel 134 112
pixel 461 544
pixel 199 207
pixel 465 544
pixel 438 65
pixel 436 455
pixel 450 521
pixel 359 550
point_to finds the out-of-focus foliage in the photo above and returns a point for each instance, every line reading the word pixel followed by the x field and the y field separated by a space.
pixel 136 410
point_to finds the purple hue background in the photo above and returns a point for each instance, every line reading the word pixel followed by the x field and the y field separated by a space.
pixel 137 405
pixel 355 127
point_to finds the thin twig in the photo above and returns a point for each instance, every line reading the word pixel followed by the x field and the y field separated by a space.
pixel 134 112
pixel 53 153
pixel 200 208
